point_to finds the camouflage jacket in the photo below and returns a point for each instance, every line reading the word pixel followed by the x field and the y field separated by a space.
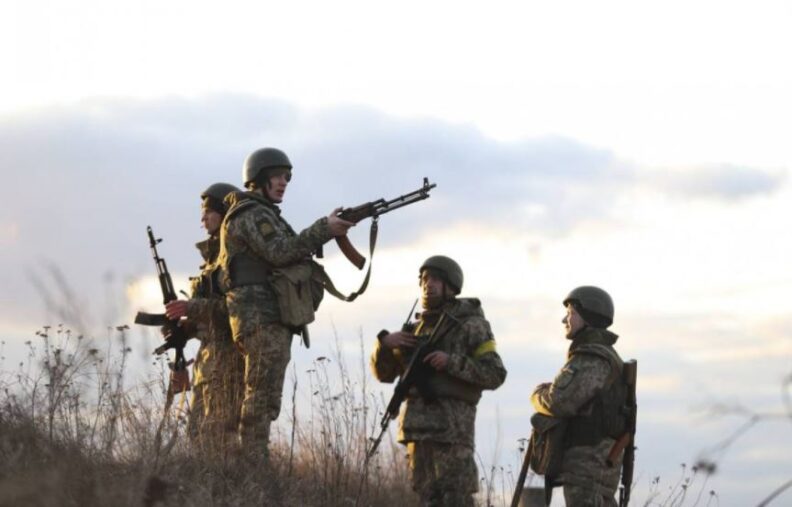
pixel 254 231
pixel 592 366
pixel 473 366
pixel 207 320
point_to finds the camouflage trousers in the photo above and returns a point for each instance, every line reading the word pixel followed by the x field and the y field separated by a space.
pixel 579 496
pixel 443 475
pixel 267 352
pixel 216 400
pixel 196 417
pixel 222 401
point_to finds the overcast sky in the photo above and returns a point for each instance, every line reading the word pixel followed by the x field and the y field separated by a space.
pixel 640 147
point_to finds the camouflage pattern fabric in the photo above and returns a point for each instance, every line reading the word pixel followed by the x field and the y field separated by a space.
pixel 578 496
pixel 253 227
pixel 208 250
pixel 218 368
pixel 473 365
pixel 582 378
pixel 267 353
pixel 443 475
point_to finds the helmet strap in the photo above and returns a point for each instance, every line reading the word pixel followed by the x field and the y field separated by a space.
pixel 592 319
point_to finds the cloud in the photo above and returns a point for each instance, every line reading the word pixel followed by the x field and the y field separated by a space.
pixel 723 182
pixel 660 384
pixel 9 233
pixel 85 180
pixel 777 453
pixel 156 151
pixel 766 349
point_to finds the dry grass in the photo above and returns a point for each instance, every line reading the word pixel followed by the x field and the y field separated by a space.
pixel 71 433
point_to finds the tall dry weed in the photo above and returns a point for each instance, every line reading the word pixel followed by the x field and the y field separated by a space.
pixel 72 432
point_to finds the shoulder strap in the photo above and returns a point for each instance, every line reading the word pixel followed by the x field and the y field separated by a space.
pixel 239 206
pixel 328 283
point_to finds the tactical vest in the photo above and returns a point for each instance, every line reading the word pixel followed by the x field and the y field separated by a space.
pixel 298 287
pixel 243 268
pixel 604 416
pixel 207 284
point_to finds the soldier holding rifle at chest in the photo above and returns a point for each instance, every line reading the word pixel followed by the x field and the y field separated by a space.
pixel 444 362
pixel 217 372
pixel 270 287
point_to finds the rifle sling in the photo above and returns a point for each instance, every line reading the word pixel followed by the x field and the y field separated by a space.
pixel 328 283
pixel 246 270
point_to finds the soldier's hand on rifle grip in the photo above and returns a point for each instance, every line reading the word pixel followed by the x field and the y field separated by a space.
pixel 399 339
pixel 437 360
pixel 176 309
pixel 338 226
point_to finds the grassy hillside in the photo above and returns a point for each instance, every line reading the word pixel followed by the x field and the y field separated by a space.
pixel 72 433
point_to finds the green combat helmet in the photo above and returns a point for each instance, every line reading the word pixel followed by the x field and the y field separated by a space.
pixel 259 160
pixel 448 268
pixel 213 196
pixel 593 304
pixel 219 191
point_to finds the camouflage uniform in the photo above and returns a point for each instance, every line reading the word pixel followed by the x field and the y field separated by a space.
pixel 254 238
pixel 440 433
pixel 218 368
pixel 592 371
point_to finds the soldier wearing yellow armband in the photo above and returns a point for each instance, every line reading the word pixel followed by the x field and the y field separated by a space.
pixel 438 422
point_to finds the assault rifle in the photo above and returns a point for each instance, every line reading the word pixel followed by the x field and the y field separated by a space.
pixel 415 374
pixel 175 337
pixel 626 442
pixel 374 209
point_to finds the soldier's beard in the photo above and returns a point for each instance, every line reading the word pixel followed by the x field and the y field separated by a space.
pixel 571 334
pixel 432 301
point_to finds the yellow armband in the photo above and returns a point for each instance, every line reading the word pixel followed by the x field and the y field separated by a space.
pixel 485 348
pixel 538 406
